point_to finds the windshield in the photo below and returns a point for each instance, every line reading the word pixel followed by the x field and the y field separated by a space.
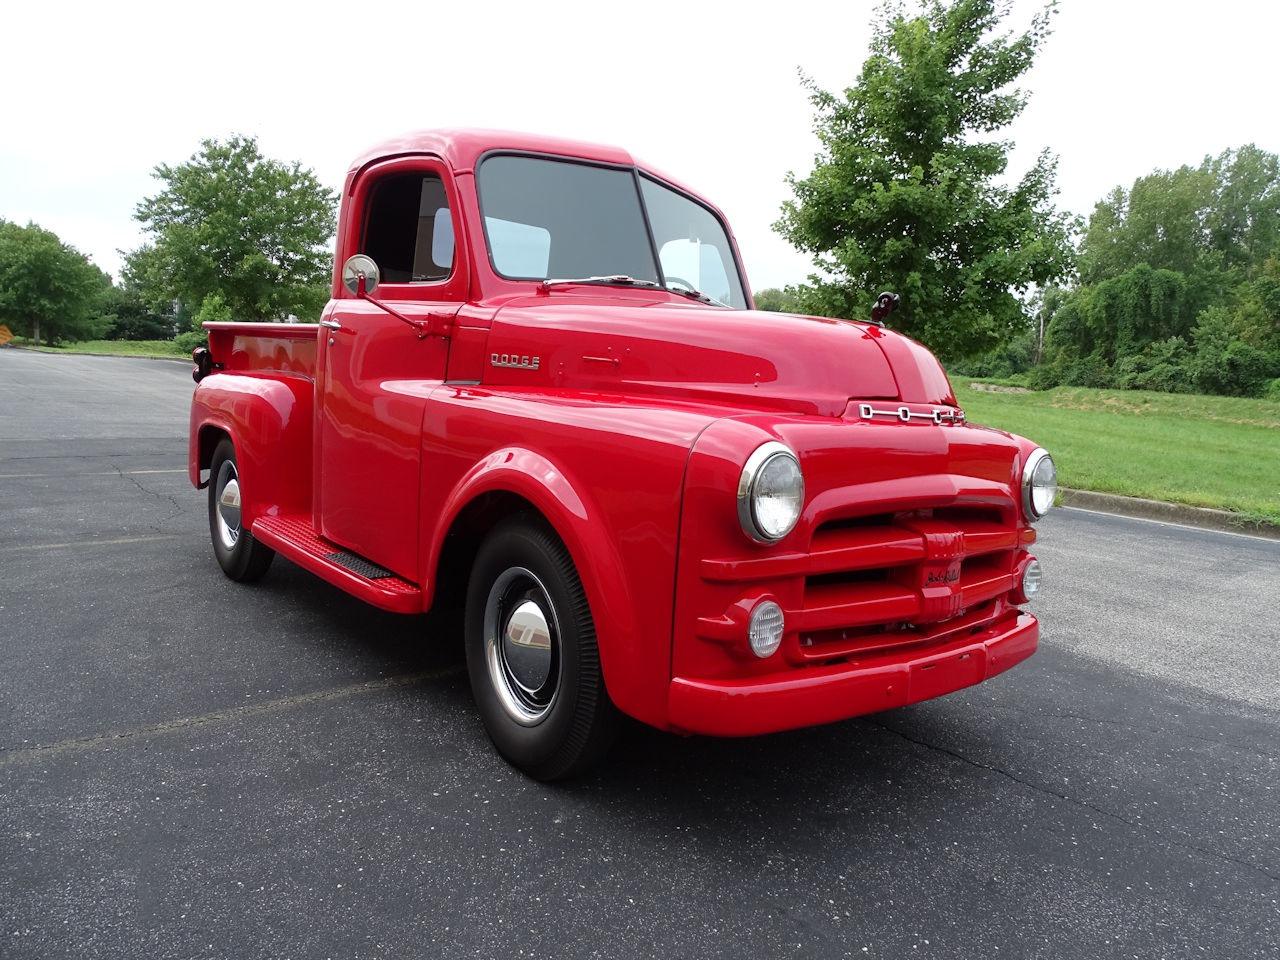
pixel 555 219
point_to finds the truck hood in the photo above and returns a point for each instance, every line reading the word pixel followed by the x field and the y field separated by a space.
pixel 738 357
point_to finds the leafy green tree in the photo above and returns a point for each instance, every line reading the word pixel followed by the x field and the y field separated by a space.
pixel 49 291
pixel 132 318
pixel 907 192
pixel 1180 282
pixel 777 301
pixel 1221 215
pixel 1158 222
pixel 214 309
pixel 234 223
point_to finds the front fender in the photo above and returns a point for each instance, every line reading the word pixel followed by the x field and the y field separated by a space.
pixel 608 475
pixel 573 514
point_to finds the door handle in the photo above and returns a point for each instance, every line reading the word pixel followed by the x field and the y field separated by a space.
pixel 331 324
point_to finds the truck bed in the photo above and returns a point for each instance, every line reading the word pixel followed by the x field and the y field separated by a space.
pixel 287 348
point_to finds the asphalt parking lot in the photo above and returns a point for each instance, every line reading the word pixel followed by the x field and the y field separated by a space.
pixel 192 768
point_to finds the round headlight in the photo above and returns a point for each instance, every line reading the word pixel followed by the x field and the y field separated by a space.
pixel 765 631
pixel 770 493
pixel 1039 484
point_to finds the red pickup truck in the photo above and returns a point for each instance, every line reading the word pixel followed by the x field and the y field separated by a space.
pixel 540 395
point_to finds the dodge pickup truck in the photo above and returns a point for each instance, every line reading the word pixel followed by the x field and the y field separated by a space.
pixel 540 396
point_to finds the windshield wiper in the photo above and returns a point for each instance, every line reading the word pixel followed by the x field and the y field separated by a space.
pixel 613 280
pixel 698 295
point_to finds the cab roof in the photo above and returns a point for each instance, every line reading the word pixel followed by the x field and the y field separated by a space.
pixel 462 148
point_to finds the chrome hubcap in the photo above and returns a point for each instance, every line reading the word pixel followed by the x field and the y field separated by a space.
pixel 522 646
pixel 227 498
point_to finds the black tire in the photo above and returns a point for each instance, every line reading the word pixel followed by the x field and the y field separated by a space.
pixel 246 559
pixel 579 721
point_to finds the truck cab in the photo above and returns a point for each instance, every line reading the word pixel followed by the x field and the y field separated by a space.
pixel 540 396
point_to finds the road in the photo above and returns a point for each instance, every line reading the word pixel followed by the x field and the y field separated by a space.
pixel 192 768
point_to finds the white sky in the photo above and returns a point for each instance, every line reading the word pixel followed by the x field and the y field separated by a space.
pixel 96 94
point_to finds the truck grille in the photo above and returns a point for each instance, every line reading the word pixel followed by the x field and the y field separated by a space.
pixel 894 580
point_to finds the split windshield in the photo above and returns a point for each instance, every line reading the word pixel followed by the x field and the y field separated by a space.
pixel 555 219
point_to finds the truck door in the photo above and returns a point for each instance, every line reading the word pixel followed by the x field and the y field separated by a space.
pixel 376 371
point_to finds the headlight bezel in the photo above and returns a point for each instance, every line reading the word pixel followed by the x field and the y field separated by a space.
pixel 760 458
pixel 1034 459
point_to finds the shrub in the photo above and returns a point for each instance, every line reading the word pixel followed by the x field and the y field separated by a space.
pixel 1044 377
pixel 1161 366
pixel 1226 365
pixel 213 309
pixel 188 341
pixel 1090 371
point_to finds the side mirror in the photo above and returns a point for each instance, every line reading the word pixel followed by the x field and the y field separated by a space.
pixel 360 275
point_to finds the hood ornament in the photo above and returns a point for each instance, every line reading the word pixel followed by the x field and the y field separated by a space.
pixel 886 303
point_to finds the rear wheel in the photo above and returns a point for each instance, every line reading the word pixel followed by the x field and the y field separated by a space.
pixel 241 557
pixel 532 655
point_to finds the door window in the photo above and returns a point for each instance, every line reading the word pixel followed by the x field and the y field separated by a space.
pixel 408 230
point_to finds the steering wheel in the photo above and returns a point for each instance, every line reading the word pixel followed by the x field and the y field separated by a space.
pixel 689 286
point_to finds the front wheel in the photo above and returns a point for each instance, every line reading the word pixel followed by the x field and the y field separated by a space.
pixel 241 557
pixel 532 655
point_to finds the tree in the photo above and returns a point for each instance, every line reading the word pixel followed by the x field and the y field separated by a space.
pixel 1222 215
pixel 131 318
pixel 1180 282
pixel 233 223
pixel 49 290
pixel 906 195
pixel 777 301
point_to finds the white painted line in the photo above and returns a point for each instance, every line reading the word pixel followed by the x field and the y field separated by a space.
pixel 1170 523
pixel 116 737
pixel 27 547
pixel 104 473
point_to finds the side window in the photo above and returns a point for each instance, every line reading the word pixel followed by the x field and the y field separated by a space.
pixel 408 230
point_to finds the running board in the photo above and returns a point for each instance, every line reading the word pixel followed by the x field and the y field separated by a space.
pixel 296 539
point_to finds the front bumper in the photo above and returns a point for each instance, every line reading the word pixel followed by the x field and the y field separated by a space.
pixel 785 701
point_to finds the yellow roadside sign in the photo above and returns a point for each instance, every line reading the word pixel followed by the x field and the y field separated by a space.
pixel 5 334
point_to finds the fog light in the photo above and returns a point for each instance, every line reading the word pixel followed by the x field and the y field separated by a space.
pixel 765 632
pixel 1029 583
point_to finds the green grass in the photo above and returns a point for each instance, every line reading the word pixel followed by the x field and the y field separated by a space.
pixel 1219 452
pixel 117 348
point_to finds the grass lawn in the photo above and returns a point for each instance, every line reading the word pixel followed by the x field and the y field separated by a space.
pixel 119 348
pixel 1205 451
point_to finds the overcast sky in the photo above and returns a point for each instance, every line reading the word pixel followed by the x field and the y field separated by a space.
pixel 96 94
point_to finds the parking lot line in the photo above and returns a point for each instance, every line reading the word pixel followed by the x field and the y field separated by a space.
pixel 18 755
pixel 67 476
pixel 28 547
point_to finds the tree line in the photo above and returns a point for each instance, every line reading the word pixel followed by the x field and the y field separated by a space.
pixel 231 234
pixel 1171 284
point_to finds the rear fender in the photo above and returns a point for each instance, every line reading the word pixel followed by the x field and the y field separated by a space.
pixel 269 420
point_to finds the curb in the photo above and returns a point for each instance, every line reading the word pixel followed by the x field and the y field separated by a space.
pixel 1202 517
